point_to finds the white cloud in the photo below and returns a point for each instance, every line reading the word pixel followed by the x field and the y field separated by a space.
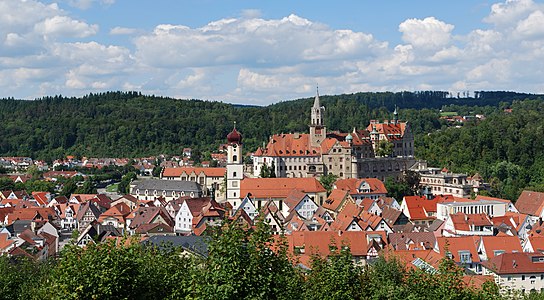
pixel 86 4
pixel 249 59
pixel 123 31
pixel 63 26
pixel 428 33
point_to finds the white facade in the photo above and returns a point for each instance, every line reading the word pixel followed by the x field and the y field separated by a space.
pixel 489 207
pixel 184 219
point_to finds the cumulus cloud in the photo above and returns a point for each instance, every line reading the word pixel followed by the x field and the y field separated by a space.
pixel 428 33
pixel 123 31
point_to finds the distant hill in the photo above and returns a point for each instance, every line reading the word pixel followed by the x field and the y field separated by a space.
pixel 129 124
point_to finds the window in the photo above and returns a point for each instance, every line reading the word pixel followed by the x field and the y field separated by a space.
pixel 522 277
pixel 233 174
pixel 234 158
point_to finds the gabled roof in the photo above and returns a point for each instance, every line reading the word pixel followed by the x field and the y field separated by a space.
pixel 335 200
pixel 456 245
pixel 293 198
pixel 419 207
pixel 344 219
pixel 412 240
pixel 119 211
pixel 537 242
pixel 318 242
pixel 264 188
pixel 102 201
pixel 390 215
pixel 294 144
pixel 84 208
pixel 41 198
pixel 465 222
pixel 506 243
pixel 5 242
pixel 352 185
pixel 530 203
pixel 154 228
pixel 147 215
pixel 516 263
pixel 209 172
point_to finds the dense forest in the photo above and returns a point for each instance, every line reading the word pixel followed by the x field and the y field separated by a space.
pixel 505 148
pixel 241 264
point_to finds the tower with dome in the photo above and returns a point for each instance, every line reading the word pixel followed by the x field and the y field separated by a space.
pixel 235 166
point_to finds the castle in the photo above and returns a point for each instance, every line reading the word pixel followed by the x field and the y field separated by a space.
pixel 382 149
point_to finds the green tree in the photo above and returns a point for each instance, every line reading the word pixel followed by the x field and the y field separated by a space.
pixel 157 170
pixel 334 277
pixel 273 170
pixel 6 184
pixel 385 148
pixel 328 181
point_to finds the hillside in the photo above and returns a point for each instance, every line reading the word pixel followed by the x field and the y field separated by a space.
pixel 119 124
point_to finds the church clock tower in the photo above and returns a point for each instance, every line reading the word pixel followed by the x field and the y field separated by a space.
pixel 235 167
pixel 318 132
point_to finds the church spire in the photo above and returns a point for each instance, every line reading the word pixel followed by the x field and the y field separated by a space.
pixel 316 100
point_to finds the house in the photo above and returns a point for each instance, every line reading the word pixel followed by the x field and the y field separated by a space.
pixel 144 216
pixel 531 203
pixel 6 244
pixel 412 241
pixel 116 216
pixel 336 202
pixel 394 217
pixel 534 243
pixel 193 211
pixel 55 175
pixel 129 200
pixel 208 178
pixel 95 232
pixel 354 218
pixel 491 246
pixel 67 213
pixel 301 203
pixel 151 189
pixel 523 272
pixel 364 246
pixel 249 207
pixel 41 198
pixel 273 217
pixel 461 224
pixel 463 250
pixel 87 213
pixel 277 189
pixel 419 209
pixel 359 189
pixel 452 205
pixel 510 207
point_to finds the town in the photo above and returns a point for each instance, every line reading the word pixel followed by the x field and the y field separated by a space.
pixel 313 188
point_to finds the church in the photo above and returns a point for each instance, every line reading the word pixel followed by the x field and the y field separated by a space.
pixel 381 150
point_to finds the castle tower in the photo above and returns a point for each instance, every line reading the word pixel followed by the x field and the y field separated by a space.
pixel 318 131
pixel 395 116
pixel 235 167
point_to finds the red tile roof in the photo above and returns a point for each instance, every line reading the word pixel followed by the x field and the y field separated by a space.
pixel 263 188
pixel 530 203
pixel 335 199
pixel 506 243
pixel 516 263
pixel 352 184
pixel 456 244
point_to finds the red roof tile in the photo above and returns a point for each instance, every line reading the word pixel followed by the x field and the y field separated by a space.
pixel 263 188
pixel 209 172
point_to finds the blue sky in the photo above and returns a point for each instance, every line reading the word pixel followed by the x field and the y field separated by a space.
pixel 261 52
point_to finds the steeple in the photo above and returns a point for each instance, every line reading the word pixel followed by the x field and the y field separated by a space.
pixel 316 100
pixel 317 125
pixel 395 115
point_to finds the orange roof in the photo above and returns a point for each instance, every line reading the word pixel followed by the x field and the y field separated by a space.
pixel 530 203
pixel 294 144
pixel 515 263
pixel 293 198
pixel 278 187
pixel 419 207
pixel 455 245
pixel 335 199
pixel 317 242
pixel 408 257
pixel 41 198
pixel 83 197
pixel 209 172
pixel 350 212
pixel 462 221
pixel 5 242
pixel 352 185
pixel 118 211
pixel 537 241
pixel 506 243
pixel 390 130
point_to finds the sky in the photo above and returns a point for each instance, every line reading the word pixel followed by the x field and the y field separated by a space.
pixel 263 52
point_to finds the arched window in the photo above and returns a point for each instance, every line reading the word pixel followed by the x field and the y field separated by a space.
pixel 235 158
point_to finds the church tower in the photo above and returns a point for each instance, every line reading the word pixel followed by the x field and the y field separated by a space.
pixel 318 131
pixel 235 167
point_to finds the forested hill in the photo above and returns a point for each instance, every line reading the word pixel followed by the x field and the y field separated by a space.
pixel 128 124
